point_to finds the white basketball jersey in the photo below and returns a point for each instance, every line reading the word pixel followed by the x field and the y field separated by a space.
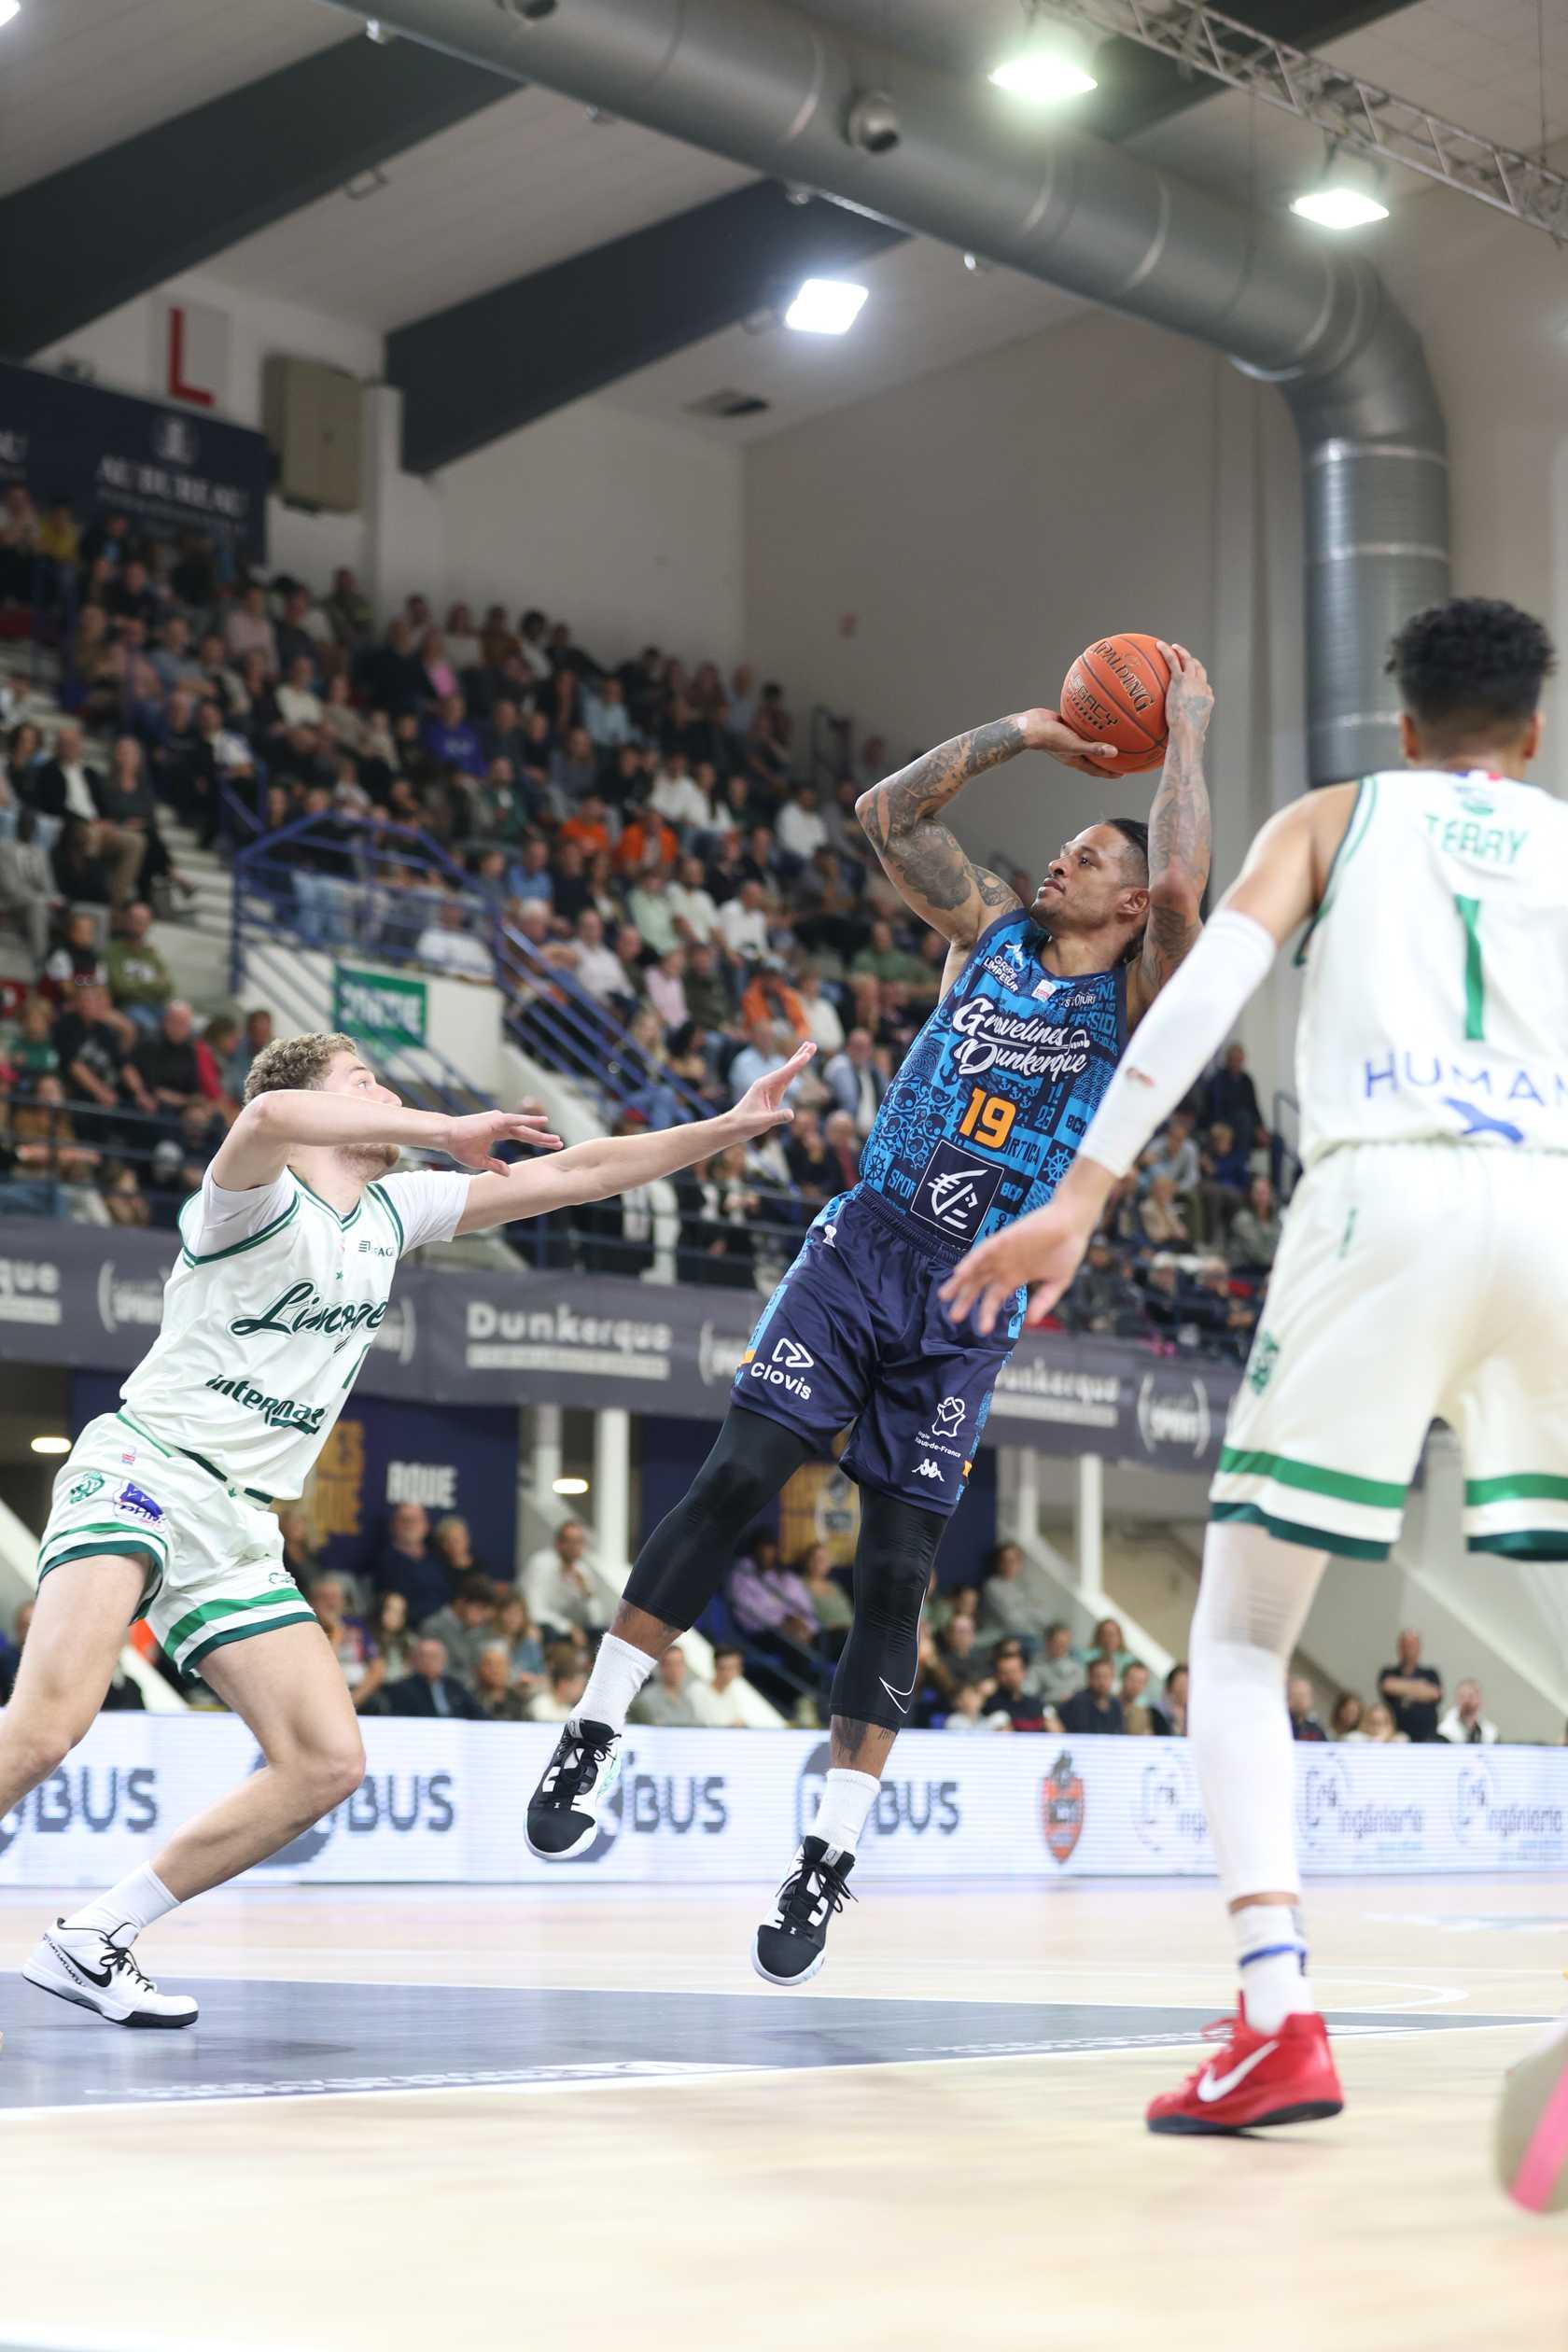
pixel 269 1314
pixel 1437 995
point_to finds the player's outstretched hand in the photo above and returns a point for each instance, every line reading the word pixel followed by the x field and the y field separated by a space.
pixel 1043 1251
pixel 763 1104
pixel 1048 731
pixel 1189 699
pixel 471 1141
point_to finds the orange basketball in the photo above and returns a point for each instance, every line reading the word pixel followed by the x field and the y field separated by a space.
pixel 1114 692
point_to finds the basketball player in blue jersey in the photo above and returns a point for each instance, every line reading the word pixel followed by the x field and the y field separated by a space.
pixel 977 1128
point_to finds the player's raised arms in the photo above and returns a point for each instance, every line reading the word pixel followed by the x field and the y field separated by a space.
pixel 921 858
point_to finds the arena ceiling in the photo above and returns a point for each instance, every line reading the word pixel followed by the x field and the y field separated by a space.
pixel 388 185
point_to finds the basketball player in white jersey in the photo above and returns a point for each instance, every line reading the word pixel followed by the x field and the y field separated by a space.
pixel 1421 1273
pixel 286 1258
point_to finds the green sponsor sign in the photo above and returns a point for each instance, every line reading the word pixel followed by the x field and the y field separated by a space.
pixel 380 1009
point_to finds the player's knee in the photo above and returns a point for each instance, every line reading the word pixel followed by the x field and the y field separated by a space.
pixel 39 1743
pixel 330 1774
pixel 732 1487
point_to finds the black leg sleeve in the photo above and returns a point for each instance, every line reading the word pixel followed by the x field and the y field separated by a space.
pixel 688 1554
pixel 880 1666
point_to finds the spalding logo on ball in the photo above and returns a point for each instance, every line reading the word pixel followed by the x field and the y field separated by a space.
pixel 1114 692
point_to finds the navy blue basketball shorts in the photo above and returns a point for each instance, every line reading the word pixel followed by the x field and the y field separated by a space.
pixel 856 1332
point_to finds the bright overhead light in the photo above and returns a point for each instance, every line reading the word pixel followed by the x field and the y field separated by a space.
pixel 568 1486
pixel 826 306
pixel 43 1445
pixel 9 8
pixel 1348 196
pixel 1054 63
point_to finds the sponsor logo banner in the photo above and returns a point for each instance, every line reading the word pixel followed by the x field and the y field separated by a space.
pixel 447 1801
pixel 385 1010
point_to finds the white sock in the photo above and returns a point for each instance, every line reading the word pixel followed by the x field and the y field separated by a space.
pixel 1271 1947
pixel 135 1903
pixel 846 1800
pixel 618 1673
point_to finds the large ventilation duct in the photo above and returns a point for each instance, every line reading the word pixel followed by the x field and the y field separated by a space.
pixel 785 95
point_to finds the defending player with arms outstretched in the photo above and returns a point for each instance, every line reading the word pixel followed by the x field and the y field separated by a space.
pixel 286 1258
pixel 1421 1273
pixel 979 1126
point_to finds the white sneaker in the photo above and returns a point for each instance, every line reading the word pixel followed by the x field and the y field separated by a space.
pixel 564 1808
pixel 98 1972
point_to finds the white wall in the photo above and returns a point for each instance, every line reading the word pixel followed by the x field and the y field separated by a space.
pixel 628 527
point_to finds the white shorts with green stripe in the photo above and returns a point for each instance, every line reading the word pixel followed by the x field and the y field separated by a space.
pixel 1415 1283
pixel 212 1553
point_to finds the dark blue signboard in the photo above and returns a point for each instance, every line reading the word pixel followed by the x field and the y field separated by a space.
pixel 170 470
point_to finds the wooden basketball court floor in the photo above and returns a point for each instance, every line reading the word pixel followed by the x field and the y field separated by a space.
pixel 454 2117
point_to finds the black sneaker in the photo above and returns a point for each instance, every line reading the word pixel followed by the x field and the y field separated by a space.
pixel 563 1810
pixel 791 1947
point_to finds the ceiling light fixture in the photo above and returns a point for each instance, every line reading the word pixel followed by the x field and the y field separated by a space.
pixel 47 1445
pixel 1348 196
pixel 1054 63
pixel 9 8
pixel 568 1486
pixel 826 306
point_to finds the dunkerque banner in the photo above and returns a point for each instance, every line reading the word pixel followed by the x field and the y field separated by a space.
pixel 92 1297
pixel 446 1801
pixel 171 469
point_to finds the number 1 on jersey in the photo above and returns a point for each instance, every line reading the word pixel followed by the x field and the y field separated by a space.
pixel 989 1119
pixel 1475 977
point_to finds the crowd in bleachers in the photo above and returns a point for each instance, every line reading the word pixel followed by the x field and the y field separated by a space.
pixel 645 841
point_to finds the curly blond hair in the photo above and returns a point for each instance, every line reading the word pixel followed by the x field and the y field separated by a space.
pixel 290 1062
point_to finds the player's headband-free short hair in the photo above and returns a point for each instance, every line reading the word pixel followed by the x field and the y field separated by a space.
pixel 1470 663
pixel 290 1063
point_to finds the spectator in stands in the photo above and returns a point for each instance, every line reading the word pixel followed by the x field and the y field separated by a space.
pixel 466 1623
pixel 62 784
pixel 1102 1296
pixel 124 1199
pixel 407 1564
pixel 958 1663
pixel 298 705
pixel 774 1609
pixel 1161 1217
pixel 249 629
pixel 1174 1708
pixel 718 1704
pixel 768 1041
pixel 364 1670
pixel 1379 1727
pixel 514 1627
pixel 743 922
pixel 1225 1175
pixel 1055 1672
pixel 665 1701
pixel 1413 1691
pixel 302 1558
pixel 450 947
pixel 1110 1642
pixel 1011 1698
pixel 1141 1718
pixel 91 1040
pixel 1465 1725
pixel 1255 1230
pixel 258 1032
pixel 598 968
pixel 429 1688
pixel 1231 1097
pixel 32 1051
pixel 392 1634
pixel 1346 1720
pixel 140 982
pixel 1302 1703
pixel 41 1142
pixel 691 908
pixel 560 1586
pixel 1009 1600
pixel 830 1602
pixel 499 1697
pixel 166 1061
pixel 1095 1708
pixel 856 1082
pixel 568 1680
pixel 347 610
pixel 27 885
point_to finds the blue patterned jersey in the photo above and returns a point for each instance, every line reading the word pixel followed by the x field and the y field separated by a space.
pixel 982 1120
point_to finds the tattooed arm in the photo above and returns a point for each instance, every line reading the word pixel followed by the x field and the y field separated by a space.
pixel 902 817
pixel 1178 834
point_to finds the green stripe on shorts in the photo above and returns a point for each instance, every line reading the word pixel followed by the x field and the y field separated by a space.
pixel 241 1633
pixel 129 1546
pixel 1375 1492
pixel 1523 1543
pixel 1292 1531
pixel 1524 1485
pixel 210 1611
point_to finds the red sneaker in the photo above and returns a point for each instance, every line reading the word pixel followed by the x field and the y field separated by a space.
pixel 1286 2077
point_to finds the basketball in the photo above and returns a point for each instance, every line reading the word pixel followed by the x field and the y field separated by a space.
pixel 1114 692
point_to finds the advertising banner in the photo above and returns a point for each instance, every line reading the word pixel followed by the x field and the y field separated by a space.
pixel 446 1801
pixel 84 1296
pixel 107 452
